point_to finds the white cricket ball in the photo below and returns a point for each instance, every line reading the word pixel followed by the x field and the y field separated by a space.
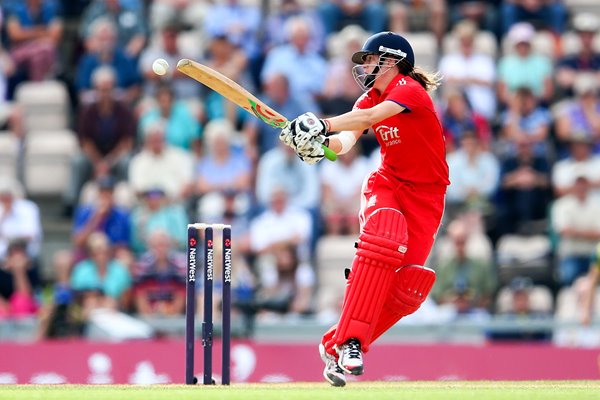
pixel 160 66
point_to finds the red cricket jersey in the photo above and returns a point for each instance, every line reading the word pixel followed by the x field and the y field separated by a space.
pixel 412 142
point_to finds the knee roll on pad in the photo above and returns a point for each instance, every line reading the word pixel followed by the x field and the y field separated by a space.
pixel 413 284
pixel 381 248
pixel 411 287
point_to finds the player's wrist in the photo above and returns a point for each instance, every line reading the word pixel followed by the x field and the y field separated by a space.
pixel 327 125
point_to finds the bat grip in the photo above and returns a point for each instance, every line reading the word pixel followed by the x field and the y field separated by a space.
pixel 329 154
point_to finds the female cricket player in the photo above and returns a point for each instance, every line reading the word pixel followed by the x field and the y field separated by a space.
pixel 402 202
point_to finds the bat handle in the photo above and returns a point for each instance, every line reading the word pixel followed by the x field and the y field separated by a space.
pixel 329 154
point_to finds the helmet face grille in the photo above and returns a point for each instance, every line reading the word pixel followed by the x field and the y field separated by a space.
pixel 364 80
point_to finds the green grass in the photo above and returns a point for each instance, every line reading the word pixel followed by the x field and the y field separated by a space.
pixel 546 390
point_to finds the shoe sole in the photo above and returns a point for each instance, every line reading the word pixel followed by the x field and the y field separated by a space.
pixel 333 380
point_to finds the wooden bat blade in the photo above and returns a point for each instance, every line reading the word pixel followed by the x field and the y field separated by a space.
pixel 232 91
pixel 235 93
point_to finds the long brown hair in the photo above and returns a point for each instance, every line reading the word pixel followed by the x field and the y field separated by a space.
pixel 428 80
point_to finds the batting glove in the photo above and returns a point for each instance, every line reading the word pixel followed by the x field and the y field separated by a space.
pixel 312 153
pixel 308 129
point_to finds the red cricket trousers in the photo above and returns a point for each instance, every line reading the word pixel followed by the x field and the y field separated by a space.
pixel 422 206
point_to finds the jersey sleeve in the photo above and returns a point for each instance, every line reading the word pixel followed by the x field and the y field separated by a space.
pixel 406 95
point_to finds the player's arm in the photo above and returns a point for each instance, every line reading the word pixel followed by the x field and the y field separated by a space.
pixel 361 119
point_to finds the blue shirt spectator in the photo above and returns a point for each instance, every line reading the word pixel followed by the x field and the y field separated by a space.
pixel 155 214
pixel 239 23
pixel 115 281
pixel 304 68
pixel 182 129
pixel 103 216
pixel 128 18
pixel 100 272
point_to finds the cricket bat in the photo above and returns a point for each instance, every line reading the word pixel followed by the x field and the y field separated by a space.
pixel 237 94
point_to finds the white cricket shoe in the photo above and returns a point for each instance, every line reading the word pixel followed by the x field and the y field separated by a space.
pixel 350 357
pixel 332 372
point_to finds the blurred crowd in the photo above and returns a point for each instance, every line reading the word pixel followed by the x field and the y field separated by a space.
pixel 520 109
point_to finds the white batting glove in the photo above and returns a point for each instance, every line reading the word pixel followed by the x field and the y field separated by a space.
pixel 311 153
pixel 308 129
pixel 287 134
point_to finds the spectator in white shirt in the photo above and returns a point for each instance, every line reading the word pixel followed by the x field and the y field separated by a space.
pixel 576 220
pixel 19 219
pixel 280 225
pixel 161 166
pixel 581 162
pixel 474 174
pixel 471 71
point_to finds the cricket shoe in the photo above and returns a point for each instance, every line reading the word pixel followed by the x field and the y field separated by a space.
pixel 332 372
pixel 350 357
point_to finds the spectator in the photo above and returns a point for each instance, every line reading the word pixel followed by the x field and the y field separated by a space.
pixel 340 91
pixel 155 213
pixel 581 162
pixel 582 116
pixel 168 49
pixel 544 14
pixel 524 68
pixel 189 13
pixel 7 69
pixel 101 281
pixel 281 224
pixel 104 51
pixel 182 129
pixel 586 59
pixel 103 216
pixel 304 68
pixel 463 282
pixel 524 191
pixel 474 174
pixel 471 71
pixel 281 167
pixel 458 118
pixel 276 94
pixel 521 294
pixel 483 13
pixel 525 122
pixel 106 129
pixel 589 292
pixel 341 183
pixel 417 15
pixel 19 219
pixel 129 22
pixel 161 166
pixel 160 277
pixel 371 15
pixel 34 29
pixel 278 18
pixel 237 22
pixel 18 281
pixel 223 167
pixel 229 60
pixel 576 221
pixel 286 284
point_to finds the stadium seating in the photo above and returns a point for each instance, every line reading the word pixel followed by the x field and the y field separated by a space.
pixel 48 154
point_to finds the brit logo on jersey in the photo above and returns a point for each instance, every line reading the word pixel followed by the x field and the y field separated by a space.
pixel 389 135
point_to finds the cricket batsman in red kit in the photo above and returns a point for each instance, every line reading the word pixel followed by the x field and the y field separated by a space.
pixel 402 201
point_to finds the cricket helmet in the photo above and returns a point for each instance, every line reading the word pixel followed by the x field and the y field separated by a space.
pixel 386 43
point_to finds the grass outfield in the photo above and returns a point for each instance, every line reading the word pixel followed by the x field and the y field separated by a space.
pixel 531 390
